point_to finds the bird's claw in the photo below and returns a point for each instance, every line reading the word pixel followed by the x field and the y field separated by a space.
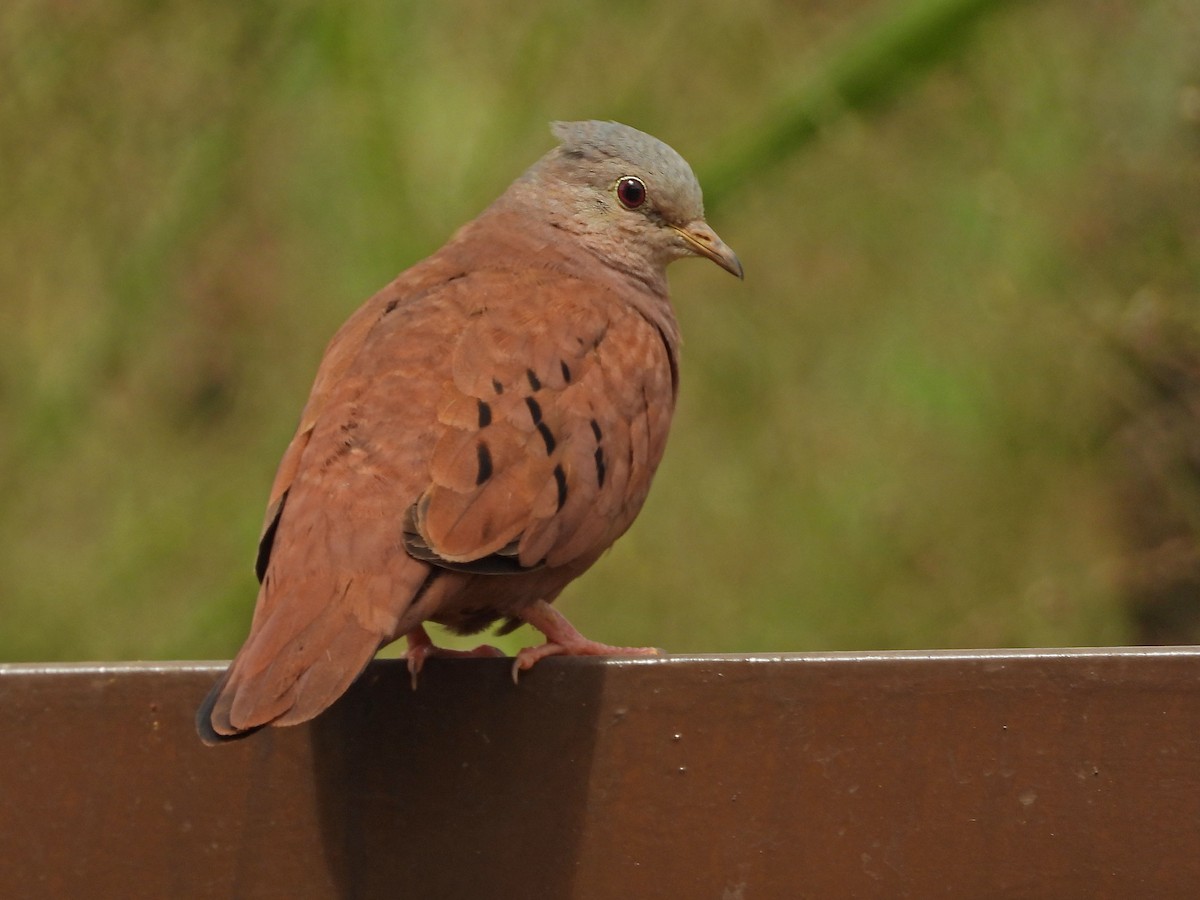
pixel 526 658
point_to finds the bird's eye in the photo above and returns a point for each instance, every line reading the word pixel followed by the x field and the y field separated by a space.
pixel 631 192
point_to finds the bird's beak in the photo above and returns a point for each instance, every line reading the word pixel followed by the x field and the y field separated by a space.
pixel 703 241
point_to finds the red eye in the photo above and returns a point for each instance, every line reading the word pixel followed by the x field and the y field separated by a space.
pixel 631 192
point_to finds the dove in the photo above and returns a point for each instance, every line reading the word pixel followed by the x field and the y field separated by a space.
pixel 478 433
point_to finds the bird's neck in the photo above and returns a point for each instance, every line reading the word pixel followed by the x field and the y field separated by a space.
pixel 522 225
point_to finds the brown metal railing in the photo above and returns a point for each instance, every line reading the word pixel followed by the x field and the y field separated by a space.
pixel 1055 774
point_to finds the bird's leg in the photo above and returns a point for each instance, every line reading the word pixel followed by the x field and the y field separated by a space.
pixel 421 647
pixel 562 639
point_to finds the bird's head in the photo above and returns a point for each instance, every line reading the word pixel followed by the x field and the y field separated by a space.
pixel 631 199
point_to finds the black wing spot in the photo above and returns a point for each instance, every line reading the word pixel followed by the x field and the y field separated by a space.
pixel 566 370
pixel 485 414
pixel 596 430
pixel 535 410
pixel 534 382
pixel 391 305
pixel 497 386
pixel 484 456
pixel 544 431
pixel 561 477
pixel 601 467
pixel 267 541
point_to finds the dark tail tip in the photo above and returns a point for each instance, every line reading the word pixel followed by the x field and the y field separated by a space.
pixel 204 718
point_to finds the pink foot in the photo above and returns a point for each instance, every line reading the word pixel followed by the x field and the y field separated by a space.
pixel 421 647
pixel 562 639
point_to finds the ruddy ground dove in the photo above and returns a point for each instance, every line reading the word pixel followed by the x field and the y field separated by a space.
pixel 479 432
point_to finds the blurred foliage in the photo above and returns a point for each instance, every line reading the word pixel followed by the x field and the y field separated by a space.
pixel 954 403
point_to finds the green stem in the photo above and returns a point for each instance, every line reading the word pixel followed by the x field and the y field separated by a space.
pixel 885 58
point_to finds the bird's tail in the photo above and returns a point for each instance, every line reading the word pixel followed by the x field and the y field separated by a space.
pixel 273 682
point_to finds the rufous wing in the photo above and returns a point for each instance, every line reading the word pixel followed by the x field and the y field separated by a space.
pixel 552 422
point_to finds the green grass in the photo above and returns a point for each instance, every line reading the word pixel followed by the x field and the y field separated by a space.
pixel 898 432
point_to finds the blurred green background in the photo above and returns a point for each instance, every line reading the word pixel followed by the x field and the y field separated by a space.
pixel 955 402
